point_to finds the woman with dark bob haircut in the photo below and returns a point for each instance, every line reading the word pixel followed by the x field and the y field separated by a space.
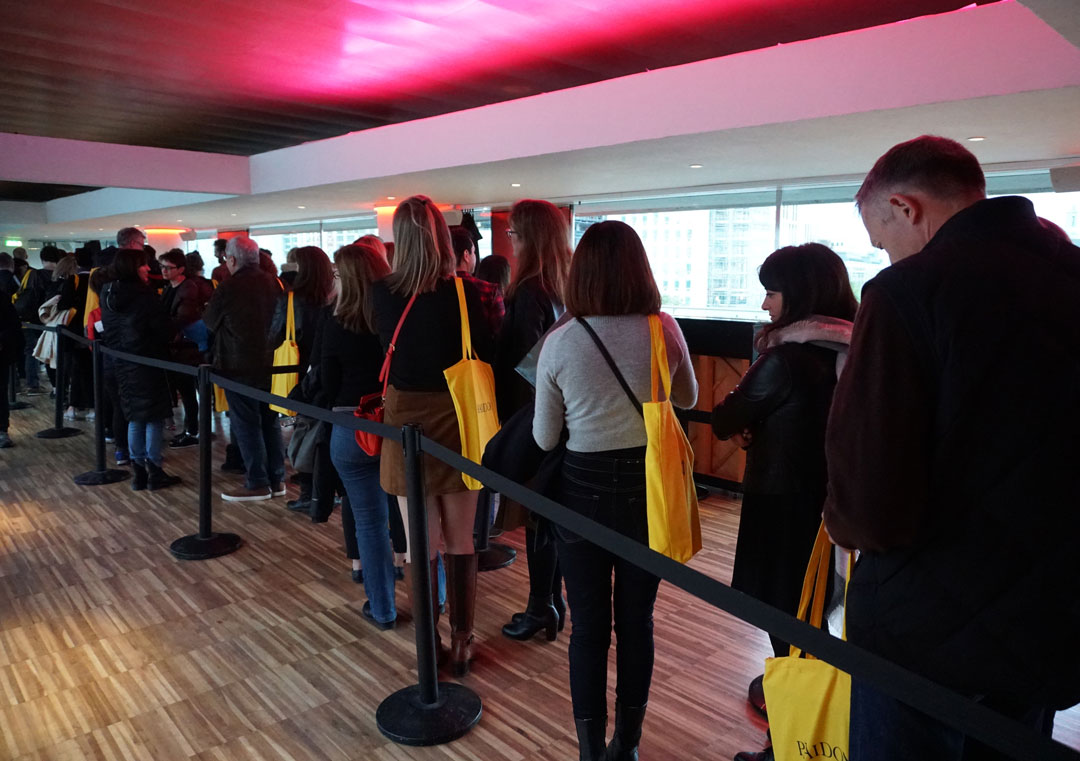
pixel 610 292
pixel 778 413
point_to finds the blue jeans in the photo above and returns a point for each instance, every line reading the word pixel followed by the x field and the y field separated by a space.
pixel 359 473
pixel 608 487
pixel 258 435
pixel 144 441
pixel 886 729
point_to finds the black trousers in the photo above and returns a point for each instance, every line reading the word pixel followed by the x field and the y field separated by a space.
pixel 184 386
pixel 608 487
pixel 5 411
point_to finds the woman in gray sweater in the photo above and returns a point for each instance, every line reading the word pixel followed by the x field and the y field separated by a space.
pixel 611 293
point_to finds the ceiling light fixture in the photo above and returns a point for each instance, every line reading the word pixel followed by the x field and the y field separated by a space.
pixel 233 214
pixel 301 207
pixel 391 198
pixel 976 139
pixel 515 184
pixel 695 166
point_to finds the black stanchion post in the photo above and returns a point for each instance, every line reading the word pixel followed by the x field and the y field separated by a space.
pixel 58 431
pixel 100 475
pixel 490 556
pixel 206 544
pixel 13 383
pixel 431 712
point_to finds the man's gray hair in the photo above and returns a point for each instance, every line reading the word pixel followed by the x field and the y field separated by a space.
pixel 244 250
pixel 128 236
pixel 937 166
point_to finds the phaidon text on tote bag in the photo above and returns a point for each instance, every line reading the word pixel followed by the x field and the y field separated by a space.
pixel 809 700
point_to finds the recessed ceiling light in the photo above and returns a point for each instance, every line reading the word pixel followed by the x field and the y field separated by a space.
pixel 695 166
pixel 100 229
pixel 301 207
pixel 391 198
pixel 179 220
pixel 515 184
pixel 976 139
pixel 232 215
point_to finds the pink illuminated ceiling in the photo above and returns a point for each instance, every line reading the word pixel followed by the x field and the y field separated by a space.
pixel 245 76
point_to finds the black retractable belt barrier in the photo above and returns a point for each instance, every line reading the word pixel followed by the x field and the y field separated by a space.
pixel 58 431
pixel 13 383
pixel 100 475
pixel 431 712
pixel 206 544
pixel 968 716
pixel 490 556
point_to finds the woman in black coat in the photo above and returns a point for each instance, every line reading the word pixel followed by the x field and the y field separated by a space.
pixel 778 413
pixel 135 321
pixel 540 237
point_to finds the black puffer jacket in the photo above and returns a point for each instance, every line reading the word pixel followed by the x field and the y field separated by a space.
pixel 238 316
pixel 784 401
pixel 135 321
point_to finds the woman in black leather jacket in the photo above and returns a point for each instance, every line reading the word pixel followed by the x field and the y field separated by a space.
pixel 778 413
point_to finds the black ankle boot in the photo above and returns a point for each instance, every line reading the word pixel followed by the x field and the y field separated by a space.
pixel 158 478
pixel 302 504
pixel 138 476
pixel 624 742
pixel 590 738
pixel 539 614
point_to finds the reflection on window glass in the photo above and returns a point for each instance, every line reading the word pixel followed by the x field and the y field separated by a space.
pixel 716 251
pixel 838 226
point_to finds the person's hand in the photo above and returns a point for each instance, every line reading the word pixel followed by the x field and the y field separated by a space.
pixel 742 440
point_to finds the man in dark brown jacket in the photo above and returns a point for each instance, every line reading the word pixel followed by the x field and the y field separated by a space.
pixel 951 452
pixel 238 316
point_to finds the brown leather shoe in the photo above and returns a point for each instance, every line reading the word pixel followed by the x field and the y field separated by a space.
pixel 247 495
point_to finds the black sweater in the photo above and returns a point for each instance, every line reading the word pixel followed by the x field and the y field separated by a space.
pixel 430 339
pixel 349 364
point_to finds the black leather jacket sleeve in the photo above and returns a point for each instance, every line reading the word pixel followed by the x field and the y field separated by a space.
pixel 764 388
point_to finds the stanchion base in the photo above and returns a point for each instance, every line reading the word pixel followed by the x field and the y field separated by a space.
pixel 102 477
pixel 58 433
pixel 405 719
pixel 496 556
pixel 17 405
pixel 195 547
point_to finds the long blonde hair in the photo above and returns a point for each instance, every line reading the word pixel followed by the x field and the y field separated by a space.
pixel 545 246
pixel 423 254
pixel 358 266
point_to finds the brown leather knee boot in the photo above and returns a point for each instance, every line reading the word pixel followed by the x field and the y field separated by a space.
pixel 461 594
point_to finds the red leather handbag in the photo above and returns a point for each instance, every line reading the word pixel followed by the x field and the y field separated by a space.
pixel 372 406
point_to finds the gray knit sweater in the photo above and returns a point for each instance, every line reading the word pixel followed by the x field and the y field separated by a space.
pixel 574 384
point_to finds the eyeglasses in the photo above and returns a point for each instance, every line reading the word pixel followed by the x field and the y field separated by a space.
pixel 513 234
pixel 169 267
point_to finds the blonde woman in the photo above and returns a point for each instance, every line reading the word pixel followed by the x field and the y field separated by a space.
pixel 429 342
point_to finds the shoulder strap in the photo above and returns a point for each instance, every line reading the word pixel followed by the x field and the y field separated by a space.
pixel 611 363
pixel 384 373
pixel 466 334
pixel 290 320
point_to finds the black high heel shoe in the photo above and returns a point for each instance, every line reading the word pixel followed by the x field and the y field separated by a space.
pixel 560 608
pixel 539 614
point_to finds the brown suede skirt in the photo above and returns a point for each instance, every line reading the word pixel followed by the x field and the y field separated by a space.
pixel 434 410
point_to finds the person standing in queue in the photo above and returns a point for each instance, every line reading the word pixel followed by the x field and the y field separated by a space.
pixel 603 474
pixel 540 237
pixel 135 321
pixel 429 342
pixel 777 412
pixel 351 357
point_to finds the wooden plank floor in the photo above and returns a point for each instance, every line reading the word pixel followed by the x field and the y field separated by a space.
pixel 111 649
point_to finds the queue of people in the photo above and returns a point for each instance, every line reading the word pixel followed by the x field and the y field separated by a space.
pixel 878 417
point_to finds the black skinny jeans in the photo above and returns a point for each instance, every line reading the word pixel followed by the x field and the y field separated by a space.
pixel 608 487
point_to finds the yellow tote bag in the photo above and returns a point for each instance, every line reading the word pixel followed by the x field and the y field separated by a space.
pixel 809 700
pixel 221 404
pixel 671 497
pixel 472 386
pixel 288 353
